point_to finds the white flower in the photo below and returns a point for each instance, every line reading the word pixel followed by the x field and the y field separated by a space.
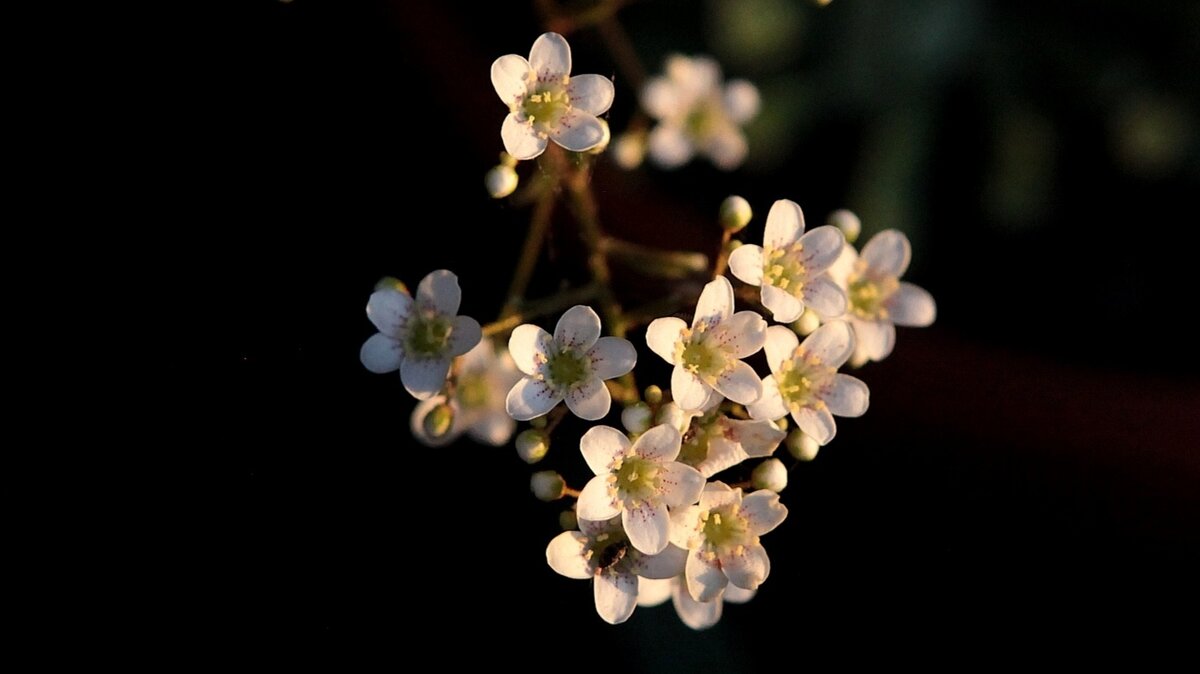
pixel 483 379
pixel 721 535
pixel 697 115
pixel 544 101
pixel 601 551
pixel 419 337
pixel 637 481
pixel 790 265
pixel 571 365
pixel 805 381
pixel 878 300
pixel 694 614
pixel 713 442
pixel 706 356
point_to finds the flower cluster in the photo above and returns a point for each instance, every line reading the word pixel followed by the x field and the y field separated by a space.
pixel 680 499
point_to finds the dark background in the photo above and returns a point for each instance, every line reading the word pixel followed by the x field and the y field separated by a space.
pixel 1034 455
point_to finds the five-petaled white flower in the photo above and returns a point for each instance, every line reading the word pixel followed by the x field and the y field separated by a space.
pixel 721 535
pixel 790 266
pixel 878 300
pixel 637 481
pixel 601 551
pixel 804 380
pixel 707 355
pixel 694 614
pixel 570 365
pixel 419 336
pixel 697 115
pixel 482 379
pixel 545 101
pixel 713 442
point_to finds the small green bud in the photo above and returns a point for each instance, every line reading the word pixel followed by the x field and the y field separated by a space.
pixel 770 474
pixel 391 283
pixel 653 394
pixel 629 150
pixel 735 213
pixel 437 423
pixel 808 322
pixel 501 181
pixel 568 520
pixel 532 445
pixel 636 418
pixel 802 446
pixel 846 221
pixel 605 137
pixel 547 485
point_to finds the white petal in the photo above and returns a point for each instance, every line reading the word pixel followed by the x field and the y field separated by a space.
pixel 715 303
pixel 741 101
pixel 875 338
pixel 739 383
pixel 616 596
pixel 757 438
pixel 494 428
pixel 381 353
pixel 578 328
pixel 746 263
pixel 416 424
pixel 727 149
pixel 688 391
pixel 590 400
pixel 694 614
pixel 659 444
pixel 595 502
pixel 763 511
pixel 822 247
pixel 736 595
pixel 785 307
pixel 722 454
pixel 887 253
pixel 520 140
pixel 464 336
pixel 529 399
pixel 578 131
pixel 717 494
pixel 550 56
pixel 424 377
pixel 565 555
pixel 660 98
pixel 675 416
pixel 667 564
pixel 669 146
pixel 749 569
pixel 825 297
pixel 439 291
pixel 510 77
pixel 844 265
pixel 662 334
pixel 697 75
pixel 601 446
pixel 591 93
pixel 770 405
pixel 705 580
pixel 911 306
pixel 785 224
pixel 847 396
pixel 388 310
pixel 479 358
pixel 526 344
pixel 653 591
pixel 681 484
pixel 742 334
pixel 612 357
pixel 816 423
pixel 832 343
pixel 780 345
pixel 648 526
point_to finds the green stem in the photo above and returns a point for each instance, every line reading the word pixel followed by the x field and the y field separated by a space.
pixel 539 224
pixel 547 305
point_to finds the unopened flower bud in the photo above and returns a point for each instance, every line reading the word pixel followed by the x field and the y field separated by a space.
pixel 604 139
pixel 538 422
pixel 808 322
pixel 568 520
pixel 802 446
pixel 653 394
pixel 532 445
pixel 501 181
pixel 735 213
pixel 437 423
pixel 547 485
pixel 636 418
pixel 857 359
pixel 846 221
pixel 781 423
pixel 391 283
pixel 629 150
pixel 507 159
pixel 770 474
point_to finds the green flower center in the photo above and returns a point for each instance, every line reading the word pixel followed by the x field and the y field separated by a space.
pixel 427 335
pixel 698 355
pixel 567 368
pixel 638 478
pixel 694 450
pixel 801 379
pixel 473 391
pixel 725 525
pixel 545 107
pixel 867 296
pixel 782 268
pixel 705 119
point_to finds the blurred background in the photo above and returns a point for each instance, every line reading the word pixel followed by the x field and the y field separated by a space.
pixel 1035 453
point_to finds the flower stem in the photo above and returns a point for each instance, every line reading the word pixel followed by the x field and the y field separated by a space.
pixel 539 224
pixel 722 255
pixel 524 312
